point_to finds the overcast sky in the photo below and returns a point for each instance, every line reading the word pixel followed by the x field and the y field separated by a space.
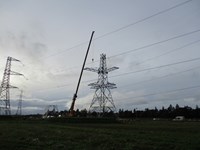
pixel 50 38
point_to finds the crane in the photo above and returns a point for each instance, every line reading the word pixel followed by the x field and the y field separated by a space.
pixel 71 110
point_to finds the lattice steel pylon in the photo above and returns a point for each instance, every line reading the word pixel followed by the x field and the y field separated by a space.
pixel 5 87
pixel 50 110
pixel 102 100
pixel 19 108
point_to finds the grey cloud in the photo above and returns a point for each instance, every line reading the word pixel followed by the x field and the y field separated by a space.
pixel 23 44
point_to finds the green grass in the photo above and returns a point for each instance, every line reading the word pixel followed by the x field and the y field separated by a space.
pixel 38 134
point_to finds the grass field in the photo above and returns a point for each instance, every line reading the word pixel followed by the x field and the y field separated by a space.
pixel 143 134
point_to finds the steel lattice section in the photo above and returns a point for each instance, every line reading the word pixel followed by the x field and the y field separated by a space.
pixel 102 100
pixel 5 87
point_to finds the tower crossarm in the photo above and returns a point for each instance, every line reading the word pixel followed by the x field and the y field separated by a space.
pixel 4 86
pixel 112 68
pixel 111 85
pixel 91 69
pixel 13 59
pixel 15 73
pixel 94 85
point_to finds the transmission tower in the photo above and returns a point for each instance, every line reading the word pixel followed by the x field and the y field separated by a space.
pixel 19 109
pixel 102 101
pixel 5 87
pixel 51 111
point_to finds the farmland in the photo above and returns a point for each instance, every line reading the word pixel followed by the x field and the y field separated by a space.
pixel 140 134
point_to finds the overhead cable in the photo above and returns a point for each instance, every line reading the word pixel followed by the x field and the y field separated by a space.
pixel 165 92
pixel 157 67
pixel 122 28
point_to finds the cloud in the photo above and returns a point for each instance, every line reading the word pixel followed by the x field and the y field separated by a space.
pixel 35 105
pixel 33 110
pixel 21 44
pixel 115 61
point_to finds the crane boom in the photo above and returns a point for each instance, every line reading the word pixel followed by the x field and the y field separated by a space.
pixel 75 94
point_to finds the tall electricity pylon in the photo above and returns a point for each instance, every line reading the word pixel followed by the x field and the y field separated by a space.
pixel 102 101
pixel 5 87
pixel 19 109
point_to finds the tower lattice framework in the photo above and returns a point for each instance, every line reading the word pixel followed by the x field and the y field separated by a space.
pixel 19 108
pixel 51 110
pixel 5 88
pixel 102 100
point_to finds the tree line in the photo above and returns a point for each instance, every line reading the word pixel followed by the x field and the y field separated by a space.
pixel 169 112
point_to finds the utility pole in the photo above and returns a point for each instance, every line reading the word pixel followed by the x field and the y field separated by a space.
pixel 5 87
pixel 102 101
pixel 19 109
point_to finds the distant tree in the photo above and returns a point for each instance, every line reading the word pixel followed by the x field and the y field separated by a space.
pixel 121 113
pixel 156 109
pixel 170 108
pixel 177 106
pixel 169 112
pixel 94 114
pixel 83 113
pixel 77 113
pixel 128 113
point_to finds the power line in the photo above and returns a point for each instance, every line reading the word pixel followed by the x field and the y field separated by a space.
pixel 157 67
pixel 56 87
pixel 68 49
pixel 122 28
pixel 147 69
pixel 127 73
pixel 165 92
pixel 165 76
pixel 144 19
pixel 169 52
pixel 152 44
